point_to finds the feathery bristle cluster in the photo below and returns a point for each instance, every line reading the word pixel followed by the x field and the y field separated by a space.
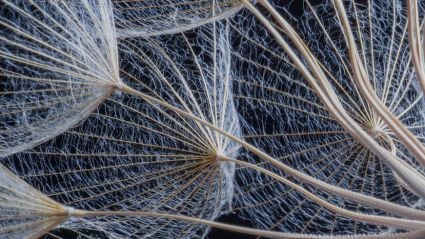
pixel 133 155
pixel 25 211
pixel 284 116
pixel 158 17
pixel 113 113
pixel 58 61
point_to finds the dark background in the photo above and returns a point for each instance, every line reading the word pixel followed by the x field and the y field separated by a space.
pixel 295 7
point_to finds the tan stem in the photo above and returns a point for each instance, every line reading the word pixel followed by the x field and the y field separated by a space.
pixel 415 41
pixel 325 91
pixel 363 83
pixel 238 229
pixel 353 196
pixel 372 219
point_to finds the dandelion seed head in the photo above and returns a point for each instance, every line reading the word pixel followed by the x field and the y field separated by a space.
pixel 282 114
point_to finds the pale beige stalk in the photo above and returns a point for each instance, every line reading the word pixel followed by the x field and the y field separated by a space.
pixel 316 77
pixel 357 197
pixel 416 44
pixel 363 83
pixel 248 231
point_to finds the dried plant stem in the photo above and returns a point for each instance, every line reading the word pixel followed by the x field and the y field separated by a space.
pixel 417 49
pixel 357 197
pixel 379 220
pixel 320 83
pixel 48 214
pixel 363 83
pixel 238 229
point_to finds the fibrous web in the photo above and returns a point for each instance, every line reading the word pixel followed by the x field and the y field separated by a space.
pixel 143 18
pixel 134 155
pixel 54 62
pixel 282 115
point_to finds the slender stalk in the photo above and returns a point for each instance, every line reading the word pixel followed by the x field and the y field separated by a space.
pixel 417 49
pixel 405 136
pixel 320 83
pixel 378 220
pixel 356 197
pixel 238 229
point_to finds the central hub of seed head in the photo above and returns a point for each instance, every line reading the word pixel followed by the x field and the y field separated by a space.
pixel 383 137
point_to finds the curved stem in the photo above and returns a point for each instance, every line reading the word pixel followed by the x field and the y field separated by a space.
pixel 377 220
pixel 415 41
pixel 239 229
pixel 325 91
pixel 362 81
pixel 353 196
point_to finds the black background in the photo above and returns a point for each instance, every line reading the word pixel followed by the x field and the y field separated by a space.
pixel 296 8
